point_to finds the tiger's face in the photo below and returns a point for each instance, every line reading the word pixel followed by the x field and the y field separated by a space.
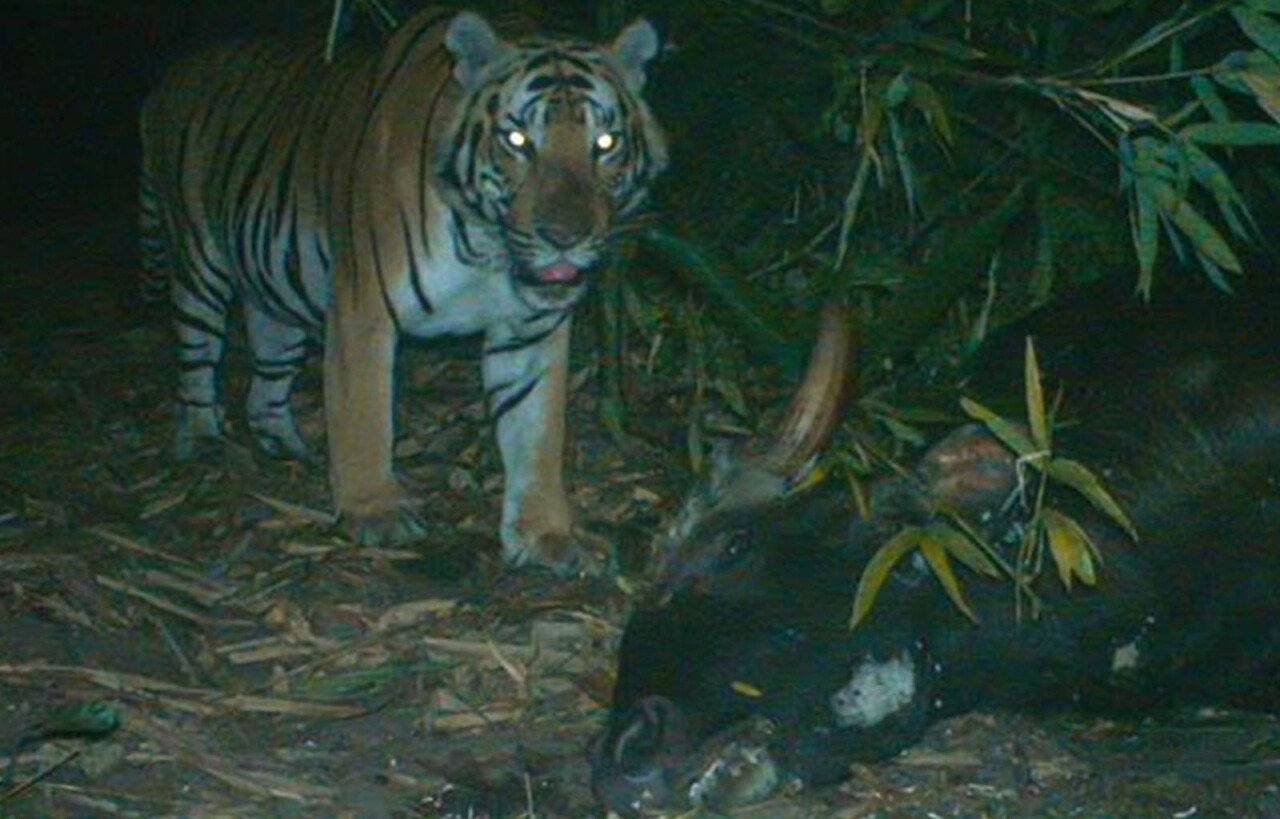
pixel 554 147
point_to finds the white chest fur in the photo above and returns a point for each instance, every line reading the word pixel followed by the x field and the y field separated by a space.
pixel 464 295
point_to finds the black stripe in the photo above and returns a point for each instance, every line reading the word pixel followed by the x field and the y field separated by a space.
pixel 199 290
pixel 509 403
pixel 462 247
pixel 293 271
pixel 282 361
pixel 194 322
pixel 390 76
pixel 424 162
pixel 415 274
pixel 521 342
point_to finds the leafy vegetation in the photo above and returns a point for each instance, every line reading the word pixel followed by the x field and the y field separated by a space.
pixel 946 166
pixel 1072 550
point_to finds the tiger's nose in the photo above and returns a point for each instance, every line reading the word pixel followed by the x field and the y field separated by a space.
pixel 561 238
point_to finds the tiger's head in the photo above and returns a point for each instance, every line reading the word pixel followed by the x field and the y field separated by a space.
pixel 553 145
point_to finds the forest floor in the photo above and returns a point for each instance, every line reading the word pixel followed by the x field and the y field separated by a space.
pixel 264 666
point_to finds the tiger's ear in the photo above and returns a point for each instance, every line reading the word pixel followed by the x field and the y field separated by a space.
pixel 474 46
pixel 634 47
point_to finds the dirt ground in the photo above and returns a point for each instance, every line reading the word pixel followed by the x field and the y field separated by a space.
pixel 262 666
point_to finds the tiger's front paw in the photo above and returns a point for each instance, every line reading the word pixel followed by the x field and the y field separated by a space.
pixel 388 517
pixel 565 553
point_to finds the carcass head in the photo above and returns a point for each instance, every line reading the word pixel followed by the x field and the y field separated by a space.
pixel 710 541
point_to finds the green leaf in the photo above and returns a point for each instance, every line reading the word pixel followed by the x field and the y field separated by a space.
pixel 1203 236
pixel 899 88
pixel 1260 28
pixel 1251 73
pixel 902 431
pixel 1232 133
pixel 732 395
pixel 925 295
pixel 1214 274
pixel 1071 548
pixel 936 554
pixel 959 546
pixel 931 106
pixel 1270 6
pixel 1231 204
pixel 1262 78
pixel 1078 477
pixel 877 571
pixel 1146 234
pixel 1208 96
pixel 1040 432
pixel 1009 433
pixel 903 161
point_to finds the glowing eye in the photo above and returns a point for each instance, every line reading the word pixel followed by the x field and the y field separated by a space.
pixel 606 142
pixel 517 139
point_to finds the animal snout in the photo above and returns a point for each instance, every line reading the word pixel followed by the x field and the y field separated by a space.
pixel 560 237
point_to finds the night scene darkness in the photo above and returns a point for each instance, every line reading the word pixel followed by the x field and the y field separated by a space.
pixel 566 408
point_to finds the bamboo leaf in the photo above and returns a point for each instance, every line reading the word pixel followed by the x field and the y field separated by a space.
pixel 959 546
pixel 1071 548
pixel 1078 477
pixel 903 160
pixel 1009 433
pixel 732 395
pixel 899 88
pixel 1146 235
pixel 1151 38
pixel 1254 74
pixel 1203 236
pixel 927 293
pixel 1035 399
pixel 936 554
pixel 877 571
pixel 926 100
pixel 1232 133
pixel 1208 96
pixel 1263 80
pixel 1260 28
pixel 1214 274
pixel 902 431
pixel 1211 176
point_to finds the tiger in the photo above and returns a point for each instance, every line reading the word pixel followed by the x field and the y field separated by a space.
pixel 449 181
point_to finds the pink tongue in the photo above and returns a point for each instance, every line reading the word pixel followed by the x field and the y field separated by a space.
pixel 560 273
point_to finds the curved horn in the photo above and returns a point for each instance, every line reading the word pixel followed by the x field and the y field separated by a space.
pixel 816 408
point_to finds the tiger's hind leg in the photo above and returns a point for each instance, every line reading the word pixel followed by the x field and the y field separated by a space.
pixel 279 351
pixel 200 319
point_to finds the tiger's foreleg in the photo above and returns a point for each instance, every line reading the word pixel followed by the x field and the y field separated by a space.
pixel 359 360
pixel 279 351
pixel 526 385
